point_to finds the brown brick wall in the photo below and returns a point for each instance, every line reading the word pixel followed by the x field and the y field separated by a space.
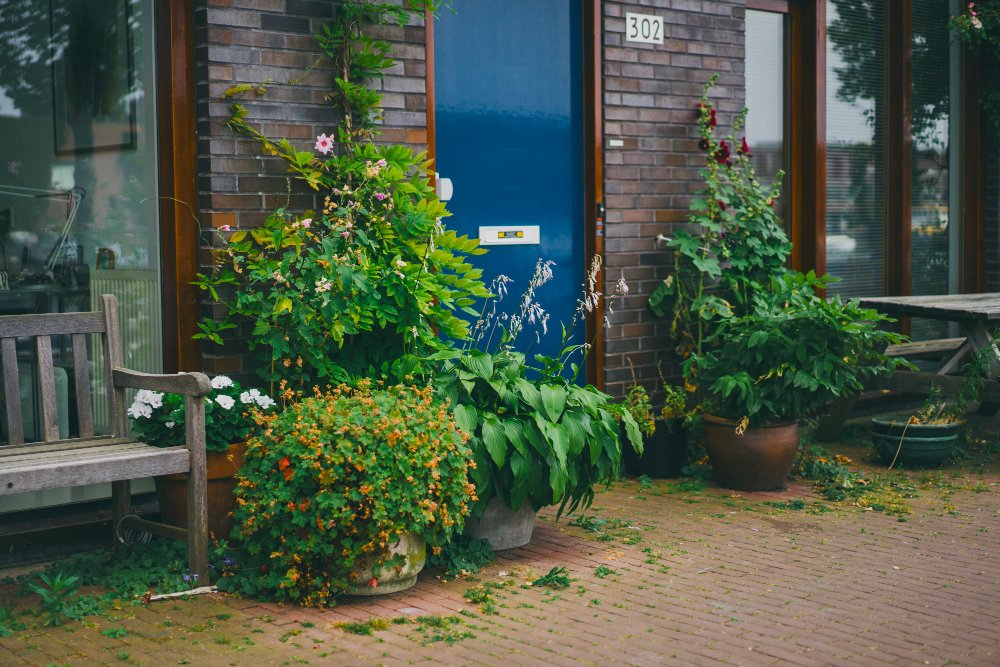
pixel 649 96
pixel 252 41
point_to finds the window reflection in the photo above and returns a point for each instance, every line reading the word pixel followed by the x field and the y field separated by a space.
pixel 766 97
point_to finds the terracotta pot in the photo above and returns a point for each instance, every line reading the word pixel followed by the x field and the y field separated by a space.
pixel 501 526
pixel 172 491
pixel 391 579
pixel 758 460
pixel 664 453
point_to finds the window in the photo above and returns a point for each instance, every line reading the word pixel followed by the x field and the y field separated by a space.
pixel 766 96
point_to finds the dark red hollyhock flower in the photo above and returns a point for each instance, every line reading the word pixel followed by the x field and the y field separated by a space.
pixel 703 144
pixel 744 148
pixel 711 121
pixel 722 204
pixel 722 154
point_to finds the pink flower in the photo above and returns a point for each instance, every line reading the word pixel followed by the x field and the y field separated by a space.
pixel 324 144
pixel 380 196
pixel 381 163
pixel 225 228
pixel 307 222
pixel 345 234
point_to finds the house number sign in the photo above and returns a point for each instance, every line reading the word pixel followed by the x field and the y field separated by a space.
pixel 643 28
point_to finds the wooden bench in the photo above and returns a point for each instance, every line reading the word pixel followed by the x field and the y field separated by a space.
pixel 93 458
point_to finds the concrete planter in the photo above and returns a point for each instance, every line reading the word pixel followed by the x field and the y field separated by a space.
pixel 391 579
pixel 502 527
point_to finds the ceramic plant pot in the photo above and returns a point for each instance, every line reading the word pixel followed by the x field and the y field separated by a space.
pixel 389 578
pixel 758 460
pixel 501 526
pixel 172 491
pixel 664 453
pixel 913 444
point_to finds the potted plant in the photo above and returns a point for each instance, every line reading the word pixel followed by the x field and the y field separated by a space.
pixel 340 492
pixel 664 449
pixel 158 419
pixel 783 361
pixel 929 435
pixel 537 437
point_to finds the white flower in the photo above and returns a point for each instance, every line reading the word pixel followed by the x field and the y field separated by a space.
pixel 622 286
pixel 140 409
pixel 400 263
pixel 278 278
pixel 153 399
pixel 246 397
pixel 264 401
pixel 170 424
pixel 323 285
pixel 225 401
pixel 221 382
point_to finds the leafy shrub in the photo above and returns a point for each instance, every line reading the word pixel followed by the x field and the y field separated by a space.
pixel 341 475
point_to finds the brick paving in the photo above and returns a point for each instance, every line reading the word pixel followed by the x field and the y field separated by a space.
pixel 698 577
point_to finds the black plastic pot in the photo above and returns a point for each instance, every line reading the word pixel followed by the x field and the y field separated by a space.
pixel 665 452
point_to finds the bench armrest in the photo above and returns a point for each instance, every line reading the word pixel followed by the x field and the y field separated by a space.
pixel 188 384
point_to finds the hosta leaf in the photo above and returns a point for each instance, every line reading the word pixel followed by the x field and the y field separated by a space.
pixel 495 439
pixel 554 400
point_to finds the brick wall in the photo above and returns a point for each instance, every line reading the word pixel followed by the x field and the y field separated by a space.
pixel 649 97
pixel 252 41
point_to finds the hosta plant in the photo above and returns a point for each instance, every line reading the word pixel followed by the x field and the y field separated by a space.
pixel 536 435
pixel 340 476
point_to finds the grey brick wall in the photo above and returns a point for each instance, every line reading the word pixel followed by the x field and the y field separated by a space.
pixel 650 92
pixel 252 41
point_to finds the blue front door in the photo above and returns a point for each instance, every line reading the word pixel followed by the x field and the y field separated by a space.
pixel 509 136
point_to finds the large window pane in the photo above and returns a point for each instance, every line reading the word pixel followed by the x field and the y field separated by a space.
pixel 78 181
pixel 765 86
pixel 931 259
pixel 855 139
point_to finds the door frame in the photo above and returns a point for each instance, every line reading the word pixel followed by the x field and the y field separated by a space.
pixel 593 166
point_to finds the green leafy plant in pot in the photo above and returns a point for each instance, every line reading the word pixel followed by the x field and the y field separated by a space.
pixel 783 361
pixel 538 438
pixel 340 492
pixel 664 450
pixel 158 419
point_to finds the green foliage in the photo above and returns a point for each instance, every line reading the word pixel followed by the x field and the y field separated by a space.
pixel 54 594
pixel 978 26
pixel 341 475
pixel 9 624
pixel 602 571
pixel 158 418
pixel 544 441
pixel 448 629
pixel 837 481
pixel 791 355
pixel 556 579
pixel 641 408
pixel 367 628
pixel 739 246
pixel 462 556
pixel 130 572
pixel 373 277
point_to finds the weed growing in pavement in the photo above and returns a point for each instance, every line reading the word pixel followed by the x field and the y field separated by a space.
pixel 8 624
pixel 556 579
pixel 797 504
pixel 603 571
pixel 484 595
pixel 115 633
pixel 836 481
pixel 367 628
pixel 54 594
pixel 446 629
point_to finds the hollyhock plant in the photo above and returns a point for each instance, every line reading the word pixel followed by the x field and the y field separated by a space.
pixel 741 244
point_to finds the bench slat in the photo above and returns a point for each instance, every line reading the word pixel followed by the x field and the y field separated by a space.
pixel 12 389
pixel 925 347
pixel 67 472
pixel 47 389
pixel 125 449
pixel 72 443
pixel 51 324
pixel 81 375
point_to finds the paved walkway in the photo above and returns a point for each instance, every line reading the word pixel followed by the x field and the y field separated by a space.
pixel 672 577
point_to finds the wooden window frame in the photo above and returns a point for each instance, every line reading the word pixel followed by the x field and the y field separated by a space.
pixel 178 171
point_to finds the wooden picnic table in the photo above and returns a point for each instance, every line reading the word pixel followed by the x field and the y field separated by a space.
pixel 977 315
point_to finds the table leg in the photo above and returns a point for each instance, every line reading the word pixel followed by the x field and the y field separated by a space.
pixel 981 338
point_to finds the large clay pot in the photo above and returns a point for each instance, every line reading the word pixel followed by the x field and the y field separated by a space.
pixel 758 460
pixel 391 579
pixel 664 453
pixel 501 526
pixel 913 444
pixel 172 491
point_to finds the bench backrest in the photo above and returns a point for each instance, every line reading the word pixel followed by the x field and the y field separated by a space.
pixel 102 324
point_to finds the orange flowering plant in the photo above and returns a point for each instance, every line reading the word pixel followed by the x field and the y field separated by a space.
pixel 339 476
